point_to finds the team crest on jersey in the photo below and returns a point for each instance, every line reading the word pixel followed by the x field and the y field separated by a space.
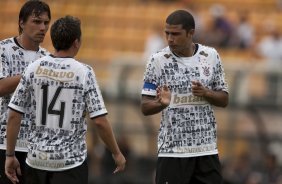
pixel 204 54
pixel 206 71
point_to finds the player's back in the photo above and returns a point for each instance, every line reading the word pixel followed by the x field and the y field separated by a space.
pixel 61 91
pixel 59 86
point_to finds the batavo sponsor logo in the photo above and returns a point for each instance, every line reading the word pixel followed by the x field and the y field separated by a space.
pixel 196 149
pixel 46 164
pixel 187 100
pixel 59 75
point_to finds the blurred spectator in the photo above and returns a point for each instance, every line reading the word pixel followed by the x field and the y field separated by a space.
pixel 279 4
pixel 271 169
pixel 255 178
pixel 221 31
pixel 269 48
pixel 237 171
pixel 245 32
pixel 199 23
pixel 244 169
pixel 194 9
pixel 154 42
pixel 279 180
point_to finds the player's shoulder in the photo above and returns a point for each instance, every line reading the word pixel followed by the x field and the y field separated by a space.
pixel 43 51
pixel 40 61
pixel 161 52
pixel 7 43
pixel 83 70
pixel 206 50
pixel 80 68
pixel 165 53
pixel 82 65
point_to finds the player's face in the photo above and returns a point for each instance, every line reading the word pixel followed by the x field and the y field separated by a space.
pixel 35 27
pixel 178 39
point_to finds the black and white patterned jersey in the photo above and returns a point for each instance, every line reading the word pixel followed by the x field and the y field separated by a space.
pixel 61 91
pixel 14 60
pixel 188 125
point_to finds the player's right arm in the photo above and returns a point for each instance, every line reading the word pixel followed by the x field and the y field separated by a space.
pixel 12 166
pixel 8 85
pixel 154 104
pixel 155 93
pixel 105 132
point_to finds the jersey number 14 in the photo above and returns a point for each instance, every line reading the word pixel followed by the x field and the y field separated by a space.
pixel 49 108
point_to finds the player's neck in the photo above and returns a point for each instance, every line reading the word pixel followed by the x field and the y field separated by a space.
pixel 64 54
pixel 69 53
pixel 187 52
pixel 27 44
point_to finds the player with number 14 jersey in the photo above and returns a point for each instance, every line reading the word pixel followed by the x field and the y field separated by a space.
pixel 57 135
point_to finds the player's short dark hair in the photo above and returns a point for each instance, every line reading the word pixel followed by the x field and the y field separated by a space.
pixel 181 17
pixel 33 7
pixel 64 32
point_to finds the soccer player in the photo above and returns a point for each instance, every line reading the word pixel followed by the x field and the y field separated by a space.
pixel 61 92
pixel 16 54
pixel 184 81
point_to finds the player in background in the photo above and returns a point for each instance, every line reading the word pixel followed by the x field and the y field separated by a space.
pixel 184 81
pixel 16 54
pixel 62 91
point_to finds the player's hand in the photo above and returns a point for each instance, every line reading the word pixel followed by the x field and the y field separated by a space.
pixel 163 95
pixel 12 168
pixel 120 162
pixel 198 89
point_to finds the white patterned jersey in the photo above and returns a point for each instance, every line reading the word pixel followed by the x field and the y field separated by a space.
pixel 14 60
pixel 61 91
pixel 188 125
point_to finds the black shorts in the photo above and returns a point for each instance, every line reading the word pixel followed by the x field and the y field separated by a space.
pixel 21 156
pixel 194 170
pixel 77 175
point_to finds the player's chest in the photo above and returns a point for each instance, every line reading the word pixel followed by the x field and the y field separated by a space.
pixel 175 73
pixel 18 61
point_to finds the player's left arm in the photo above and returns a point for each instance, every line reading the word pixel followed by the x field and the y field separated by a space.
pixel 217 98
pixel 105 132
pixel 98 118
pixel 217 94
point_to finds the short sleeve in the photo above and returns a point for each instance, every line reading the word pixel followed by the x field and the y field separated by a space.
pixel 21 97
pixel 151 77
pixel 4 66
pixel 219 82
pixel 94 100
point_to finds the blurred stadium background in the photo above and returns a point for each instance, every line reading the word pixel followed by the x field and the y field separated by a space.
pixel 113 42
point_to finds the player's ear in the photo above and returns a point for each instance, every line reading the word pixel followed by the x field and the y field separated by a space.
pixel 77 43
pixel 21 24
pixel 191 32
